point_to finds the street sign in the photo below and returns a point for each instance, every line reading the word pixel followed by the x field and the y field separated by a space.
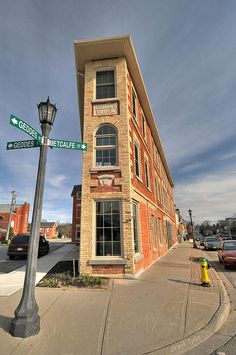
pixel 22 144
pixel 56 143
pixel 23 126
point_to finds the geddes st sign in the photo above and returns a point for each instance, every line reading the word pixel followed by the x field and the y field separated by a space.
pixel 23 126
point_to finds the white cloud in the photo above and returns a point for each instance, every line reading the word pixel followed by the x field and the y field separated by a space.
pixel 227 156
pixel 210 197
pixel 57 181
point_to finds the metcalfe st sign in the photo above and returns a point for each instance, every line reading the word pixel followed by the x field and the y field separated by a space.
pixel 56 143
pixel 25 127
pixel 22 144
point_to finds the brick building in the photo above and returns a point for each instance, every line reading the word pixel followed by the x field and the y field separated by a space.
pixel 76 213
pixel 19 218
pixel 127 207
pixel 49 229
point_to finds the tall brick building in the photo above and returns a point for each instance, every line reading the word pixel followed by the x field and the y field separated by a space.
pixel 127 207
pixel 19 218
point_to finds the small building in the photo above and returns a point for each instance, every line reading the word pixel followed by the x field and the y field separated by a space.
pixel 127 205
pixel 76 213
pixel 49 229
pixel 19 218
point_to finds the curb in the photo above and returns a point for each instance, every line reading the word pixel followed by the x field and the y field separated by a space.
pixel 184 345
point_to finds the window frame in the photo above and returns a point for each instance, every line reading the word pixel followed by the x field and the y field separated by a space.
pixel 137 160
pixel 147 174
pixel 135 227
pixel 160 230
pixel 106 147
pixel 105 69
pixel 96 227
pixel 134 105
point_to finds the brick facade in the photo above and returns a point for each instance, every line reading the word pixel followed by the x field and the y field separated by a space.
pixel 19 218
pixel 155 230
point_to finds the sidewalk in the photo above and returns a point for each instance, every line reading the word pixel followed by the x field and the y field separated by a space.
pixel 164 311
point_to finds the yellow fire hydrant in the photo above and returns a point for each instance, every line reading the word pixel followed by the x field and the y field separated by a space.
pixel 204 266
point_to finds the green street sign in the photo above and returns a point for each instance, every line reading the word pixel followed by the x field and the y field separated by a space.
pixel 56 143
pixel 22 144
pixel 25 127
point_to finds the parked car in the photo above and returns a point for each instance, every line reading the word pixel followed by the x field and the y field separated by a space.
pixel 211 243
pixel 227 253
pixel 20 243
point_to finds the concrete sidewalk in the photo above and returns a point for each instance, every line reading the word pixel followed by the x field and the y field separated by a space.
pixel 164 311
pixel 13 281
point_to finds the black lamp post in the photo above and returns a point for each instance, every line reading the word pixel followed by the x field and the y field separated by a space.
pixel 27 320
pixel 191 222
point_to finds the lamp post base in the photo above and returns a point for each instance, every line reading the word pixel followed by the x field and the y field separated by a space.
pixel 25 327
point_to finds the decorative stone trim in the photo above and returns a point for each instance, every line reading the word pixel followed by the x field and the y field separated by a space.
pixel 106 180
pixel 104 168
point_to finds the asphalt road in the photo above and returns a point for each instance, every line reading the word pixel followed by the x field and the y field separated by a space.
pixel 7 265
pixel 230 347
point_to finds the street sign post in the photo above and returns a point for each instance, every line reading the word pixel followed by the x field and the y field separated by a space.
pixel 25 127
pixel 22 144
pixel 56 143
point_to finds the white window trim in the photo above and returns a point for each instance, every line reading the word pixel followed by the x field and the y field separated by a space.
pixel 135 116
pixel 136 143
pixel 95 83
pixel 104 167
pixel 94 256
pixel 147 174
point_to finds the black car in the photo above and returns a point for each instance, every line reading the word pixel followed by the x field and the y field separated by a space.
pixel 20 243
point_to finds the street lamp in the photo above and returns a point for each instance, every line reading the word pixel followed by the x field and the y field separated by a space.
pixel 191 222
pixel 27 320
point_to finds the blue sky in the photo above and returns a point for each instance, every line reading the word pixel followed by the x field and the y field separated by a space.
pixel 187 54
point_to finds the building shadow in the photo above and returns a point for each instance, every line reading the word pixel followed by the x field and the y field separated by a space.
pixel 5 323
pixel 185 282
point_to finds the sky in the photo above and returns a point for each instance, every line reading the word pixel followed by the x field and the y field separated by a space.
pixel 187 54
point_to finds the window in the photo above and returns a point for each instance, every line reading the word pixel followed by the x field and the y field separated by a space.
pixel 144 126
pixel 135 226
pixel 134 97
pixel 77 236
pixel 108 233
pixel 1 218
pixel 157 189
pixel 105 84
pixel 146 173
pixel 154 232
pixel 136 158
pixel 106 146
pixel 160 230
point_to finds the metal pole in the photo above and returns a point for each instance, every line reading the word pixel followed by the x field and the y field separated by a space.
pixel 191 222
pixel 13 201
pixel 27 320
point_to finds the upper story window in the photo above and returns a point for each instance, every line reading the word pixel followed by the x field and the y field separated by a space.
pixel 147 173
pixel 144 126
pixel 1 218
pixel 106 146
pixel 134 103
pixel 105 84
pixel 136 159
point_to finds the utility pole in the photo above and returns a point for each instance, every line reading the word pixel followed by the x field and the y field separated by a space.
pixel 13 201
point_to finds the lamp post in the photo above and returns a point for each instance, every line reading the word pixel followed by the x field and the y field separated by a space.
pixel 27 320
pixel 191 222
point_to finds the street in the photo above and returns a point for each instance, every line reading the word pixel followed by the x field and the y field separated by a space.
pixel 229 278
pixel 7 265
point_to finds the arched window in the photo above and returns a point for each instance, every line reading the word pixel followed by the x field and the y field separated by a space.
pixel 106 146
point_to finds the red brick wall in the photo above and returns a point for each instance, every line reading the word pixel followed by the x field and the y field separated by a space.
pixel 76 216
pixel 108 269
pixel 20 217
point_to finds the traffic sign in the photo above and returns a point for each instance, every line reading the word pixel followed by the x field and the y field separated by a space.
pixel 18 123
pixel 22 144
pixel 56 143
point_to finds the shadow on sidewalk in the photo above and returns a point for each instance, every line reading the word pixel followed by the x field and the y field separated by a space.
pixel 185 282
pixel 5 323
